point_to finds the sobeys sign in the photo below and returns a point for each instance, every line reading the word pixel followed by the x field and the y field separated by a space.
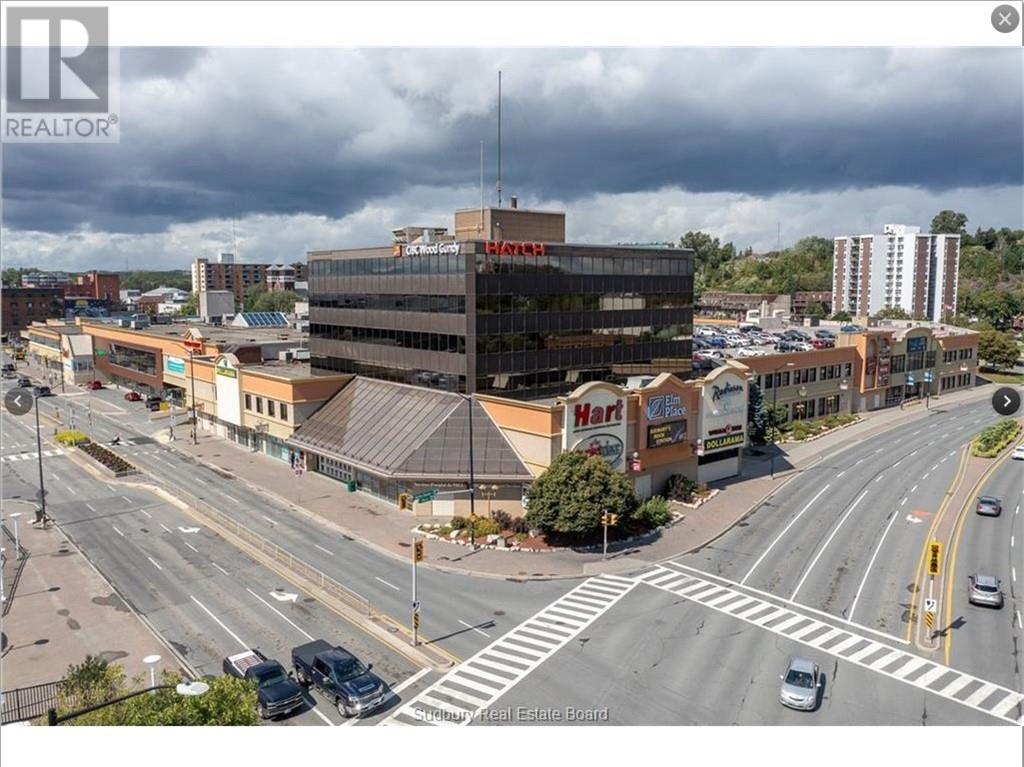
pixel 595 422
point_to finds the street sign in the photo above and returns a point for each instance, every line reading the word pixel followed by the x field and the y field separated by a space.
pixel 425 497
pixel 934 557
pixel 416 606
pixel 101 352
pixel 930 605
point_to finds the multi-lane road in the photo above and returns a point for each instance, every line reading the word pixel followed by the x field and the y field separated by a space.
pixel 827 567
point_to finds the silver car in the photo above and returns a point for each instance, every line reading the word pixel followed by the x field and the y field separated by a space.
pixel 988 506
pixel 984 590
pixel 801 683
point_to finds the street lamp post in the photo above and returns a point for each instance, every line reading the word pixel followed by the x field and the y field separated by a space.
pixel 192 378
pixel 186 689
pixel 489 492
pixel 17 541
pixel 472 477
pixel 41 513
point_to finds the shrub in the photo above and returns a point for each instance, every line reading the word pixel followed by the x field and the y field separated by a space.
pixel 653 512
pixel 459 523
pixel 503 518
pixel 680 488
pixel 484 527
pixel 71 437
pixel 992 439
pixel 520 526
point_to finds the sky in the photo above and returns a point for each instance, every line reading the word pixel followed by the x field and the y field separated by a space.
pixel 273 152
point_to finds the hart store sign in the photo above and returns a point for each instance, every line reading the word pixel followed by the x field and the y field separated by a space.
pixel 595 422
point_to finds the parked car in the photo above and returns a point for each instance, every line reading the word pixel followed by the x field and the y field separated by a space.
pixel 801 683
pixel 153 402
pixel 824 333
pixel 1018 452
pixel 94 384
pixel 984 590
pixel 851 328
pixel 787 346
pixel 8 369
pixel 24 382
pixel 716 342
pixel 277 694
pixel 989 506
pixel 132 396
pixel 340 676
pixel 42 391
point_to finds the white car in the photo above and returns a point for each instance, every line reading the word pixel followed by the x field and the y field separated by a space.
pixel 1018 452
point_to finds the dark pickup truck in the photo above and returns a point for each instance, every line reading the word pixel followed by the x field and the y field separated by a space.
pixel 340 676
pixel 276 692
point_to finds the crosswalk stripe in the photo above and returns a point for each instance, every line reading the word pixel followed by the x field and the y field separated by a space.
pixel 524 648
pixel 843 643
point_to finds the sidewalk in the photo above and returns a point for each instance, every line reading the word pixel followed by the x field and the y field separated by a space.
pixel 383 527
pixel 64 610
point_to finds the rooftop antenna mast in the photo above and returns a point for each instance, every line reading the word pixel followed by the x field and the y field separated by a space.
pixel 499 138
pixel 480 226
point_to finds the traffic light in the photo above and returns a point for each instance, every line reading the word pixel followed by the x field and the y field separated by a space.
pixel 417 551
pixel 934 557
pixel 609 519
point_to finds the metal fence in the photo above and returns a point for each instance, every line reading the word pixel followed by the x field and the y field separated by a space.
pixel 26 703
pixel 279 554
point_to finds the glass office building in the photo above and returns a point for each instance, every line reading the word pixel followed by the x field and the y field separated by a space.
pixel 518 319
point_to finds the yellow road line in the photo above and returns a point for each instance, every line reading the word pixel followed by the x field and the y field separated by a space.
pixel 919 573
pixel 955 544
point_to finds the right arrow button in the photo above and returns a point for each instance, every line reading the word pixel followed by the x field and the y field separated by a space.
pixel 1006 401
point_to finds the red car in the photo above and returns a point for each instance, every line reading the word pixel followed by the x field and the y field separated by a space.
pixel 94 385
pixel 133 396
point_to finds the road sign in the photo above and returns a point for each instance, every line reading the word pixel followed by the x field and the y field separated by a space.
pixel 425 497
pixel 101 352
pixel 416 606
pixel 930 605
pixel 934 557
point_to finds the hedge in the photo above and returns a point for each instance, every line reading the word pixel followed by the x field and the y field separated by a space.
pixel 992 439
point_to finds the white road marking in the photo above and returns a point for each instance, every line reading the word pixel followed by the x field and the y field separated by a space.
pixel 220 568
pixel 821 549
pixel 859 462
pixel 478 631
pixel 1013 574
pixel 1011 541
pixel 823 637
pixel 146 513
pixel 55 478
pixel 840 473
pixel 903 502
pixel 323 716
pixel 323 549
pixel 933 468
pixel 879 450
pixel 1020 623
pixel 913 489
pixel 283 616
pixel 952 454
pixel 879 478
pixel 191 546
pixel 231 498
pixel 127 499
pixel 391 585
pixel 913 454
pixel 272 522
pixel 218 621
pixel 410 681
pixel 90 508
pixel 111 489
pixel 784 531
pixel 926 476
pixel 165 527
pixel 117 531
pixel 482 679
pixel 155 563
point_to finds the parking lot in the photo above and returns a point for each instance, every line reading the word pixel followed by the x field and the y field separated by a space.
pixel 718 342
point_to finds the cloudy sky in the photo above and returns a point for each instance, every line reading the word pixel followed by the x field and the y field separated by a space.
pixel 282 151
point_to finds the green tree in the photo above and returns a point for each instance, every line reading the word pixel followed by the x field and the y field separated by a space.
pixel 892 313
pixel 758 416
pixel 998 307
pixel 998 350
pixel 148 280
pixel 573 492
pixel 842 316
pixel 229 701
pixel 277 301
pixel 949 222
pixel 191 307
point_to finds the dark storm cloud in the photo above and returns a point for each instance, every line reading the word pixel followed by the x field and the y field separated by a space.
pixel 227 133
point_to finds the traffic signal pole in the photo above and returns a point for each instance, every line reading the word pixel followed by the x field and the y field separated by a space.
pixel 417 555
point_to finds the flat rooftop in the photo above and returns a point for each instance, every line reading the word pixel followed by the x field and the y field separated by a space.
pixel 293 371
pixel 219 334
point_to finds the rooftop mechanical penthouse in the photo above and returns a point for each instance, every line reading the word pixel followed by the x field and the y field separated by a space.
pixel 503 306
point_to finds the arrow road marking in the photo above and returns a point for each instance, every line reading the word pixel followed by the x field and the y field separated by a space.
pixel 915 520
pixel 305 634
pixel 188 529
pixel 284 596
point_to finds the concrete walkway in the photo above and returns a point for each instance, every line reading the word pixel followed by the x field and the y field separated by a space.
pixel 382 526
pixel 64 610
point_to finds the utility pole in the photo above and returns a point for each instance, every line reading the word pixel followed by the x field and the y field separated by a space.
pixel 192 378
pixel 417 555
pixel 41 513
pixel 472 479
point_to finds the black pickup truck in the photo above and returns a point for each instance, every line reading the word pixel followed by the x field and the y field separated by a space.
pixel 339 675
pixel 276 692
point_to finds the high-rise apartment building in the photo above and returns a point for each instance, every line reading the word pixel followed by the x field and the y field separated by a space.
pixel 227 274
pixel 900 268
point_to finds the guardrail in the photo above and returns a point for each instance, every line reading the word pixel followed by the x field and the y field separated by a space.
pixel 284 557
pixel 24 703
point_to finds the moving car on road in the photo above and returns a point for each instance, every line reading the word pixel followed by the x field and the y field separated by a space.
pixel 984 590
pixel 801 682
pixel 24 382
pixel 277 694
pixel 42 391
pixel 1018 452
pixel 132 396
pixel 93 385
pixel 340 676
pixel 989 506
